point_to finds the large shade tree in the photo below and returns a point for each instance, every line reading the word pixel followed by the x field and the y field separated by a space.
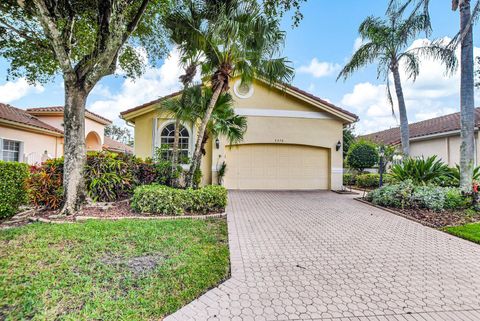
pixel 386 42
pixel 241 41
pixel 83 41
pixel 464 39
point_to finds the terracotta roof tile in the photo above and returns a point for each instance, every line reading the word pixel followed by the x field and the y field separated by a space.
pixel 116 146
pixel 21 116
pixel 427 127
pixel 59 109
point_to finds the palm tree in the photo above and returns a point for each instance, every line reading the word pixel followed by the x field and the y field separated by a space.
pixel 242 41
pixel 467 100
pixel 386 42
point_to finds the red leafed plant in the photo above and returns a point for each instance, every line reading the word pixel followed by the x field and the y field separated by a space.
pixel 45 184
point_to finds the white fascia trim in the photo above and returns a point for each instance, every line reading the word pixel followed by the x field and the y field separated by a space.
pixel 281 113
pixel 438 135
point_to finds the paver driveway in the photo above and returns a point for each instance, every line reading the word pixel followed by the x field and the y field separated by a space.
pixel 319 255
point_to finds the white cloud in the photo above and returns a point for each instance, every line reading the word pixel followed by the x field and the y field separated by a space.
pixel 319 69
pixel 432 94
pixel 357 44
pixel 14 90
pixel 155 83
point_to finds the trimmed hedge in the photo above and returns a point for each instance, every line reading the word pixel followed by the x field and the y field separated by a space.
pixel 13 192
pixel 160 199
pixel 372 180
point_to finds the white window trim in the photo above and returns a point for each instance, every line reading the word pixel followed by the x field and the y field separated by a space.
pixel 20 150
pixel 191 137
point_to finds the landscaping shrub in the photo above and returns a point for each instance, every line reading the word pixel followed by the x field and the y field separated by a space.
pixel 160 199
pixel 372 180
pixel 45 184
pixel 109 176
pixel 362 154
pixel 405 195
pixel 421 171
pixel 13 192
pixel 348 179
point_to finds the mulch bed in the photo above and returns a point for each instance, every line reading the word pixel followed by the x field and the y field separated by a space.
pixel 108 211
pixel 431 218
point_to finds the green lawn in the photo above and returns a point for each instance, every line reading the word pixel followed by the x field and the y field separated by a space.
pixel 106 270
pixel 469 232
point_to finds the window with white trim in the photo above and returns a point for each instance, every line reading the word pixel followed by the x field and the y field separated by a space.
pixel 10 150
pixel 167 137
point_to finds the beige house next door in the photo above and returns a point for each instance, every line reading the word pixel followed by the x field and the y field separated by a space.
pixel 277 167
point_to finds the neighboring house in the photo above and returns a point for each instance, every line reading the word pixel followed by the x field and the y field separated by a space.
pixel 293 139
pixel 36 134
pixel 437 136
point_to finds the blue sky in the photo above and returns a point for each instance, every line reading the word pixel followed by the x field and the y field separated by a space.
pixel 318 48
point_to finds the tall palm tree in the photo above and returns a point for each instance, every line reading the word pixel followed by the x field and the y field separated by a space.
pixel 464 38
pixel 242 41
pixel 386 43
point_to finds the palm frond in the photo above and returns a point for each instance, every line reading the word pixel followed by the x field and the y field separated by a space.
pixel 365 55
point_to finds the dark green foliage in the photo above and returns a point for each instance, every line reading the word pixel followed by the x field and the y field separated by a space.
pixel 421 171
pixel 362 154
pixel 454 177
pixel 13 193
pixel 221 173
pixel 348 179
pixel 348 139
pixel 197 178
pixel 108 177
pixel 45 185
pixel 372 180
pixel 159 199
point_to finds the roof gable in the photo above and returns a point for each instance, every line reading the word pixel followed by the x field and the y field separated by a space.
pixel 21 117
pixel 59 110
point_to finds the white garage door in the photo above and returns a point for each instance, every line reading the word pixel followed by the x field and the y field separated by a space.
pixel 277 167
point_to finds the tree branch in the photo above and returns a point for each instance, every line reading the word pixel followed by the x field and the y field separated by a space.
pixel 23 34
pixel 55 35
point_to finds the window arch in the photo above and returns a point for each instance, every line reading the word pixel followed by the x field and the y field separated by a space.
pixel 167 136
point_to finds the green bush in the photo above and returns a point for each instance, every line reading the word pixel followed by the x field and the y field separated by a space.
pixel 362 154
pixel 13 191
pixel 160 199
pixel 421 171
pixel 348 179
pixel 406 195
pixel 109 176
pixel 368 180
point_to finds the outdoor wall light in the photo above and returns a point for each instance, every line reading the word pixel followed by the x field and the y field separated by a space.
pixel 337 147
pixel 217 143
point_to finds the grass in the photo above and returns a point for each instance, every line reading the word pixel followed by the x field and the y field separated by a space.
pixel 469 232
pixel 74 271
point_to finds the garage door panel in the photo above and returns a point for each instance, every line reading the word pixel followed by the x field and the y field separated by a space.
pixel 270 166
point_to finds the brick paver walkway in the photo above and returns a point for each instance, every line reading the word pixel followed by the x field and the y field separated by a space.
pixel 323 256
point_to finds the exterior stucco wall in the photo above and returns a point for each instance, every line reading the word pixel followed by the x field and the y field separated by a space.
pixel 34 144
pixel 90 125
pixel 446 148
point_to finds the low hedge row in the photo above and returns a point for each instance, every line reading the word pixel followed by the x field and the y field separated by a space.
pixel 368 180
pixel 160 199
pixel 408 195
pixel 13 192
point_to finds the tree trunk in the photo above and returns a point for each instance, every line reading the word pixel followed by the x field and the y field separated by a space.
pixel 197 154
pixel 467 101
pixel 404 130
pixel 175 152
pixel 74 147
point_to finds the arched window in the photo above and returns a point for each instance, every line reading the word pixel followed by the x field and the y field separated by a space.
pixel 168 136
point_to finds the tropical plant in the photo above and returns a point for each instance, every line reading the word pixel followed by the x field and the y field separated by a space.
pixel 455 175
pixel 241 41
pixel 221 173
pixel 464 38
pixel 362 154
pixel 45 184
pixel 84 41
pixel 348 139
pixel 386 42
pixel 421 170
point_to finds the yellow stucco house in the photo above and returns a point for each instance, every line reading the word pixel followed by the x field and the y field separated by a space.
pixel 36 134
pixel 293 140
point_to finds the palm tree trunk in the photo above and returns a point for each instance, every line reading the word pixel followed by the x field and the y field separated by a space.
pixel 467 101
pixel 175 152
pixel 404 130
pixel 74 148
pixel 197 154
